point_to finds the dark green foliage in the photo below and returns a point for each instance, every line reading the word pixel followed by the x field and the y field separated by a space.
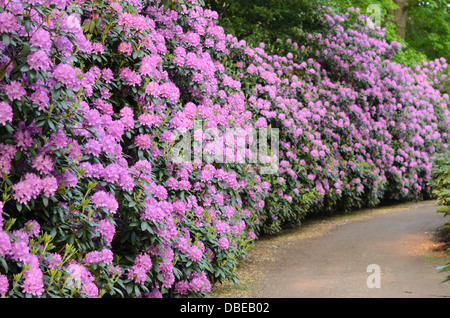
pixel 441 181
pixel 267 20
pixel 441 188
pixel 428 28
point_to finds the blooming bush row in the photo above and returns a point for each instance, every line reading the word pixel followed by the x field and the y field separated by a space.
pixel 356 128
pixel 95 94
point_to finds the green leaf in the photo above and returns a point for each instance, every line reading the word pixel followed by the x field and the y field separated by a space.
pixel 18 155
pixel 2 71
pixel 4 264
pixel 6 39
pixel 92 26
pixel 28 26
pixel 129 288
pixel 443 209
pixel 145 226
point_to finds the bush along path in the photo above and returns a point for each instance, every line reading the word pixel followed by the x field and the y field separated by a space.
pixel 94 96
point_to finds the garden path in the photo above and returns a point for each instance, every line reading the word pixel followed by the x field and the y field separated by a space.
pixel 335 263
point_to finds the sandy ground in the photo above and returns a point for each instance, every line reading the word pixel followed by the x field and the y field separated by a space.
pixel 330 258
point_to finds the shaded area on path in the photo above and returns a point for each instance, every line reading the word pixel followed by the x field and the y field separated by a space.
pixel 335 264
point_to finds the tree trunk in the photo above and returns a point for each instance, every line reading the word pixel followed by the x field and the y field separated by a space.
pixel 400 16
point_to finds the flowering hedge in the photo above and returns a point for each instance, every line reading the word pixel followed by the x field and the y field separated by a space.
pixel 356 128
pixel 93 98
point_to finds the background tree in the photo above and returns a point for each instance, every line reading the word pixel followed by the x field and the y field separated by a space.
pixel 428 28
pixel 400 16
pixel 422 27
pixel 267 20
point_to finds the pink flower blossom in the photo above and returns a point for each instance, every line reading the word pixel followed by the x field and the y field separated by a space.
pixel 39 60
pixel 105 256
pixel 102 199
pixel 43 163
pixel 33 228
pixel 8 23
pixel 170 91
pixel 125 47
pixel 40 98
pixel 6 113
pixel 107 75
pixel 28 188
pixel 33 283
pixel 4 285
pixel 143 141
pixel 5 243
pixel 152 89
pixel 67 75
pixel 49 186
pixel 149 64
pixel 194 253
pixel 223 243
pixel 41 39
pixel 14 90
pixel 131 77
pixel 53 260
pixel 98 48
pixel 107 230
pixel 138 272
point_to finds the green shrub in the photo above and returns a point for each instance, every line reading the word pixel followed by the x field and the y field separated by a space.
pixel 440 181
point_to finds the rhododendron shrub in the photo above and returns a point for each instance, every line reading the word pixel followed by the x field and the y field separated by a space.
pixel 356 128
pixel 98 98
pixel 193 218
pixel 87 152
pixel 47 222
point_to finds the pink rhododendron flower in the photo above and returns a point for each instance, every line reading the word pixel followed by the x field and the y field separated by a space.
pixel 6 113
pixel 102 199
pixel 8 23
pixel 4 285
pixel 14 90
pixel 67 75
pixel 143 141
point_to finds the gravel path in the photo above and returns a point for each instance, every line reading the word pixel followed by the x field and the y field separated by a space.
pixel 335 264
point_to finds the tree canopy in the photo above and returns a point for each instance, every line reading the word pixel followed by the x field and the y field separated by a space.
pixel 267 20
pixel 422 27
pixel 428 28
